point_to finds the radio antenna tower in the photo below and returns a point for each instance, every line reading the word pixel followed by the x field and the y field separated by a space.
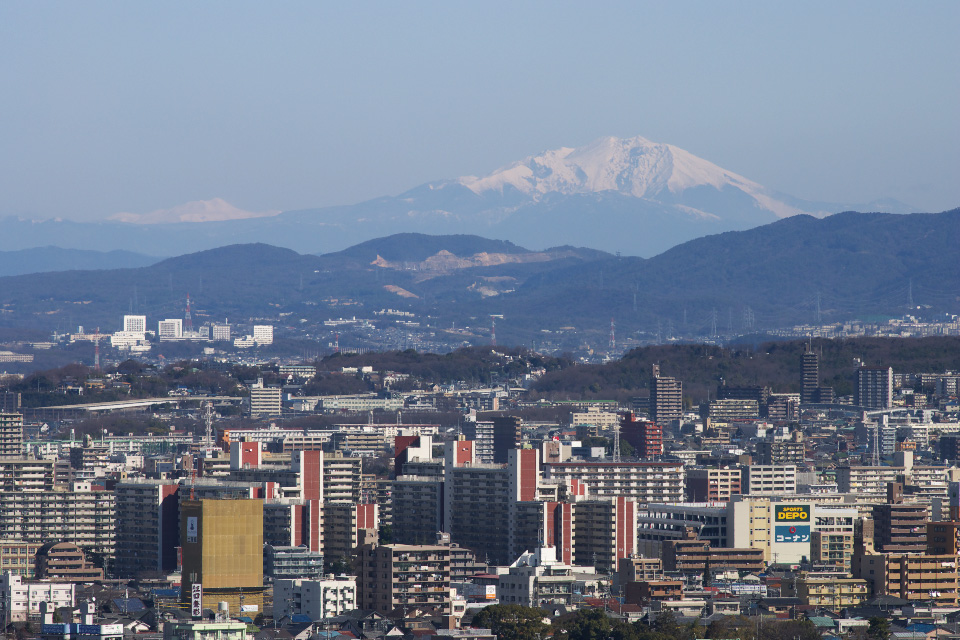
pixel 336 342
pixel 493 331
pixel 187 318
pixel 96 350
pixel 613 335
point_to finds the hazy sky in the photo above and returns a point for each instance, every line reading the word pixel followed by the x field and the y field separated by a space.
pixel 134 106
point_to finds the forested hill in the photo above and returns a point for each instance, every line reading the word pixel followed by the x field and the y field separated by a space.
pixel 776 364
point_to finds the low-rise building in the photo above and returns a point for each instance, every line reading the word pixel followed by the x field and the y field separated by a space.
pixel 20 600
pixel 316 599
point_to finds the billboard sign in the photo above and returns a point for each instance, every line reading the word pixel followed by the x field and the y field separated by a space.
pixel 792 533
pixel 196 600
pixel 192 529
pixel 792 514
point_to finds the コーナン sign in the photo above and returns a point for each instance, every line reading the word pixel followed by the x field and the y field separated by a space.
pixel 792 513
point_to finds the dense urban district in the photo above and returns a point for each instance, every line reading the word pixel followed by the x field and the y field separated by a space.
pixel 773 491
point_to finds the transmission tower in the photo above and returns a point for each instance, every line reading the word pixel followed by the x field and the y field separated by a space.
pixel 208 420
pixel 819 321
pixel 613 335
pixel 713 322
pixel 493 331
pixel 96 350
pixel 187 318
pixel 910 294
pixel 616 442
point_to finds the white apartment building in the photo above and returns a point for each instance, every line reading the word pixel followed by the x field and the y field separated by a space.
pixel 135 324
pixel 316 599
pixel 263 333
pixel 220 332
pixel 265 401
pixel 769 480
pixel 643 481
pixel 170 329
pixel 20 600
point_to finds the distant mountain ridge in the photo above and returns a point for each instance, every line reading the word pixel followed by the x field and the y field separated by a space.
pixel 630 195
pixel 42 259
pixel 792 271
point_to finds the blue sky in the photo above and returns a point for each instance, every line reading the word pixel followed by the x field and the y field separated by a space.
pixel 130 106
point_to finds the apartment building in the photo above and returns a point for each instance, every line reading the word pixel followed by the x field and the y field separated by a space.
pixel 11 435
pixel 147 527
pixel 417 508
pixel 264 401
pixel 605 531
pixel 341 477
pixel 920 577
pixel 18 557
pixel 344 525
pixel 537 579
pixel 396 576
pixel 26 474
pixel 316 599
pixel 832 549
pixel 834 593
pixel 900 528
pixel 769 480
pixel 644 482
pixel 713 485
pixel 77 514
pixel 694 556
pixel 20 600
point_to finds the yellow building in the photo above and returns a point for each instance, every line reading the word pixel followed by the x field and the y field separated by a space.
pixel 832 593
pixel 222 543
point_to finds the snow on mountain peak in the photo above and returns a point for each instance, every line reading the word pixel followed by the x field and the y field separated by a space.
pixel 631 166
pixel 214 210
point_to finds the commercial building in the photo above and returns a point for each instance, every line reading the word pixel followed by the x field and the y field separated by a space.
pixel 316 599
pixel 205 630
pixel 395 576
pixel 222 542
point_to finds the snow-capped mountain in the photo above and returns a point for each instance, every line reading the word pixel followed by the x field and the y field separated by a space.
pixel 630 166
pixel 626 195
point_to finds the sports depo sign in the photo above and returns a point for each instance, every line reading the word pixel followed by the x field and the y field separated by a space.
pixel 793 514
